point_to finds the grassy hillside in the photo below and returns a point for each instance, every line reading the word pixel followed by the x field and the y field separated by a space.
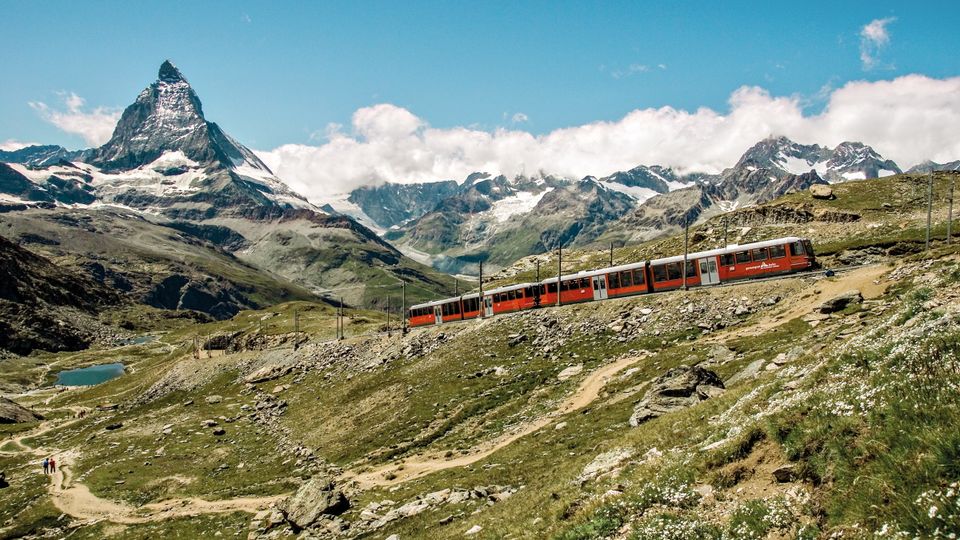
pixel 831 425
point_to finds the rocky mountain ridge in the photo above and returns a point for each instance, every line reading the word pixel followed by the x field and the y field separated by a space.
pixel 173 167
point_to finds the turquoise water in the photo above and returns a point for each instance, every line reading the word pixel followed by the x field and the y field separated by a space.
pixel 89 375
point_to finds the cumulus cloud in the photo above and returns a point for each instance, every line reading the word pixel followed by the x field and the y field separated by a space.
pixel 10 145
pixel 94 126
pixel 907 119
pixel 874 37
pixel 519 118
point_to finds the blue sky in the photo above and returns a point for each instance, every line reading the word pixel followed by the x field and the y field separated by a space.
pixel 277 73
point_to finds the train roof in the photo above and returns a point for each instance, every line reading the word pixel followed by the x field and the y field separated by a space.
pixel 508 288
pixel 597 272
pixel 734 248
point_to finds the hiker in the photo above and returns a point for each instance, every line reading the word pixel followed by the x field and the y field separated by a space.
pixel 46 466
pixel 53 465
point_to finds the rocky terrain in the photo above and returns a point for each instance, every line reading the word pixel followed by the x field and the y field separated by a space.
pixel 810 406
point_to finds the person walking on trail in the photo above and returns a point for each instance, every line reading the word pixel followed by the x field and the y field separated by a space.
pixel 46 466
pixel 53 465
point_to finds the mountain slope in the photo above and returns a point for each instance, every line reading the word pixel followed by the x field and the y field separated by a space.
pixel 45 306
pixel 166 161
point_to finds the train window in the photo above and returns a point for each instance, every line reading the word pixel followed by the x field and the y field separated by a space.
pixel 584 283
pixel 614 279
pixel 777 252
pixel 638 278
pixel 673 271
pixel 691 269
pixel 796 249
pixel 456 308
pixel 808 247
pixel 759 254
pixel 727 259
pixel 743 257
pixel 551 288
pixel 528 292
pixel 660 273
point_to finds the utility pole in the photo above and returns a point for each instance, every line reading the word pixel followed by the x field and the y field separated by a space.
pixel 483 302
pixel 953 178
pixel 686 244
pixel 559 270
pixel 611 253
pixel 456 287
pixel 538 270
pixel 725 244
pixel 340 319
pixel 929 209
pixel 403 306
pixel 296 329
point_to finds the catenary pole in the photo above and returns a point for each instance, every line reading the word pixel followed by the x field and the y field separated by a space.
pixel 929 210
pixel 686 244
pixel 559 269
pixel 403 306
pixel 953 178
pixel 483 303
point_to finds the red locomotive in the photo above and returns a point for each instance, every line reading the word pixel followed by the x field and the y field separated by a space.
pixel 759 259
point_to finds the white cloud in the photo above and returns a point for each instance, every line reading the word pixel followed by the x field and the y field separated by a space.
pixel 874 37
pixel 632 69
pixel 95 126
pixel 519 118
pixel 907 119
pixel 10 145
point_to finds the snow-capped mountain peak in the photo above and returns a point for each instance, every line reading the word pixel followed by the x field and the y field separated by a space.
pixel 167 116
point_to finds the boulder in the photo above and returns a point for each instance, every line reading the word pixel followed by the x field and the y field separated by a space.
pixel 677 389
pixel 268 373
pixel 214 399
pixel 747 372
pixel 570 372
pixel 821 191
pixel 840 303
pixel 3 480
pixel 12 412
pixel 318 497
pixel 785 473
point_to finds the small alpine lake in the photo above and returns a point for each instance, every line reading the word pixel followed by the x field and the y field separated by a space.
pixel 89 375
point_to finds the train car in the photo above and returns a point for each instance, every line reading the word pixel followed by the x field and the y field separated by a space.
pixel 624 280
pixel 511 298
pixel 444 311
pixel 573 288
pixel 757 259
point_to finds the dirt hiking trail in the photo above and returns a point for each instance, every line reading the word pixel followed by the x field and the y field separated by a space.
pixel 419 466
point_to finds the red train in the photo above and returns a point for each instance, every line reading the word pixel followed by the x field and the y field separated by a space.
pixel 759 259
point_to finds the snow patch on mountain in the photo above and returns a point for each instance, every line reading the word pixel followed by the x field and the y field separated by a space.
pixel 640 194
pixel 518 203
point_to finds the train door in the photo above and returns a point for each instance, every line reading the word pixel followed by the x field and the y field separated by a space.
pixel 709 275
pixel 438 314
pixel 599 287
pixel 488 306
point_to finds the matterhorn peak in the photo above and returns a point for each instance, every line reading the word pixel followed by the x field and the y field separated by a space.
pixel 168 117
pixel 169 73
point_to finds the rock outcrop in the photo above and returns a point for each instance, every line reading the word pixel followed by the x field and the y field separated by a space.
pixel 839 303
pixel 318 497
pixel 12 412
pixel 677 389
